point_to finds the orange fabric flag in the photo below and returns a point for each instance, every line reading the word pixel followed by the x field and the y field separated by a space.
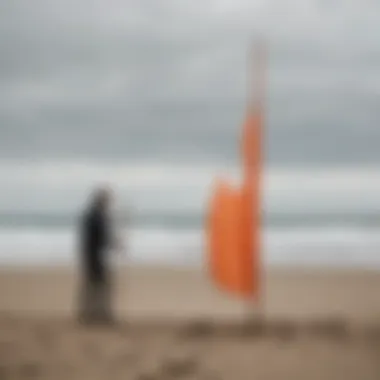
pixel 216 262
pixel 234 222
pixel 224 237
pixel 235 215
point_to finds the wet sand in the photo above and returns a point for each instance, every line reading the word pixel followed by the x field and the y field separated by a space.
pixel 175 325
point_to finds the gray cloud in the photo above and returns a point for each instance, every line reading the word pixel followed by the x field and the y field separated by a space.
pixel 166 80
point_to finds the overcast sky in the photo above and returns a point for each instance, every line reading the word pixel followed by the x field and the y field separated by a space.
pixel 165 79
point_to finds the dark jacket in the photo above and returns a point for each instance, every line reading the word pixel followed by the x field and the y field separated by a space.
pixel 95 241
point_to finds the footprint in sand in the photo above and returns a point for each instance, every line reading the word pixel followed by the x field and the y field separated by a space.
pixel 284 330
pixel 177 367
pixel 335 328
pixel 30 371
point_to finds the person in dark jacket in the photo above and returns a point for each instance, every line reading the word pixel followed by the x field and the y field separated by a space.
pixel 95 242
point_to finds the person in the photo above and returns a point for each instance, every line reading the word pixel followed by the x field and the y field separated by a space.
pixel 96 240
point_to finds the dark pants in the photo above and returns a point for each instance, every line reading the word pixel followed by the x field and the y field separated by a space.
pixel 95 295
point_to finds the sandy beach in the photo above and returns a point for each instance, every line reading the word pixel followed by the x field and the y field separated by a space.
pixel 318 324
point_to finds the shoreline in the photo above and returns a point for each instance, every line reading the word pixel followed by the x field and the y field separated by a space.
pixel 178 292
pixel 273 268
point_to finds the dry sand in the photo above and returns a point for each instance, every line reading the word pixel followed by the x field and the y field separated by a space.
pixel 175 325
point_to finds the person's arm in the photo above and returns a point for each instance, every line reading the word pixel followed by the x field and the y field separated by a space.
pixel 116 239
pixel 109 238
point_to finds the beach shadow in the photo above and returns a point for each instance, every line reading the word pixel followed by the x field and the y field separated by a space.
pixel 198 330
pixel 255 328
pixel 284 330
pixel 30 371
pixel 335 329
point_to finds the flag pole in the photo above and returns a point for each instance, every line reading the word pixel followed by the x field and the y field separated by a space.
pixel 255 305
pixel 261 87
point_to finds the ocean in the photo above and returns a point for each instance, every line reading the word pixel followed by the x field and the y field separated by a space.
pixel 338 240
pixel 311 217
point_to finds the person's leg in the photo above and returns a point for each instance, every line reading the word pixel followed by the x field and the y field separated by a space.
pixel 88 311
pixel 95 298
pixel 105 301
pixel 85 313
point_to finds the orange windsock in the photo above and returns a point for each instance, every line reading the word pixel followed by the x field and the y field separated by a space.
pixel 224 237
pixel 234 222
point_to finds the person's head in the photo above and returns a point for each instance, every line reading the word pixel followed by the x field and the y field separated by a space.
pixel 102 198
